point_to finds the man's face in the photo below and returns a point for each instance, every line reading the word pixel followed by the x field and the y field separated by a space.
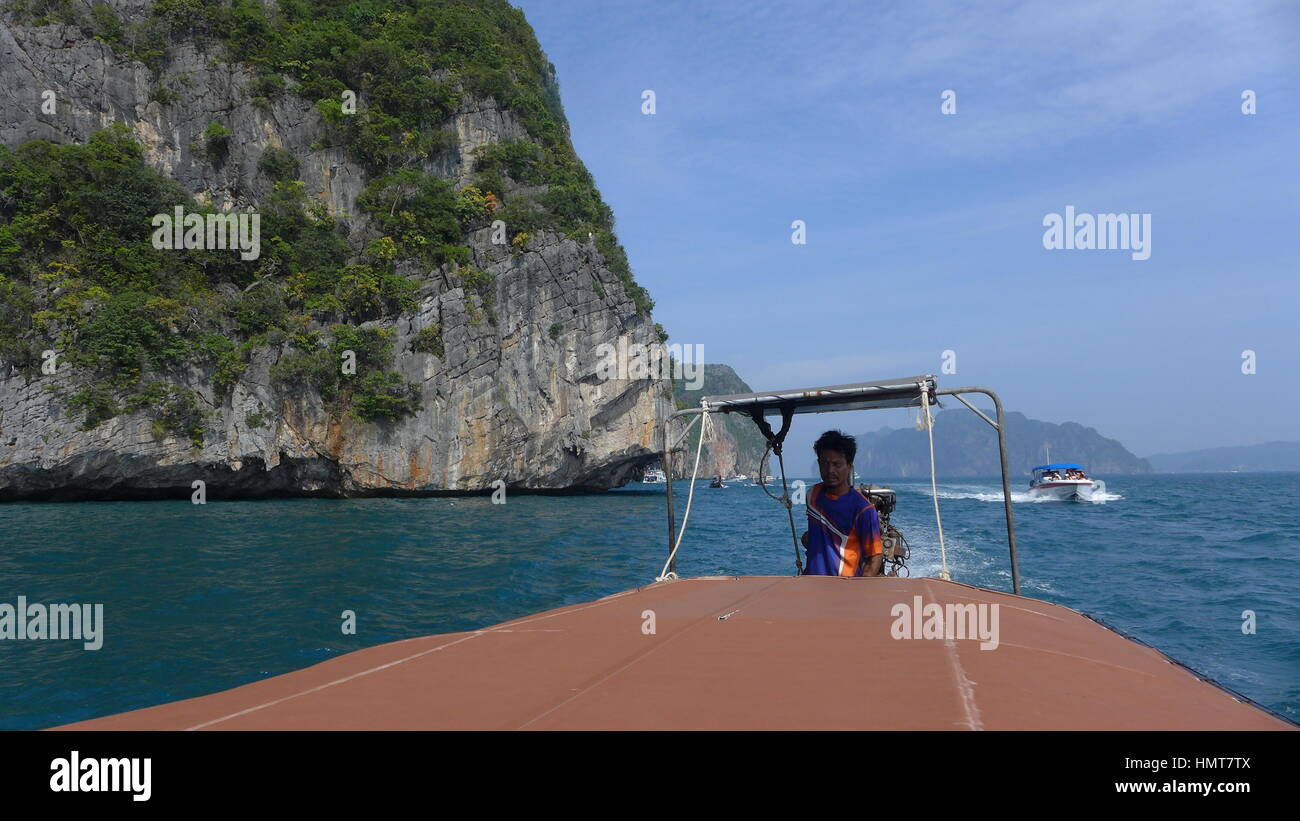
pixel 835 471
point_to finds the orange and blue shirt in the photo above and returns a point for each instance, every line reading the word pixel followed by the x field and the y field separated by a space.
pixel 843 533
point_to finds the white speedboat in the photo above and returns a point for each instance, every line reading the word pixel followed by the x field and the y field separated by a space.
pixel 654 476
pixel 1065 481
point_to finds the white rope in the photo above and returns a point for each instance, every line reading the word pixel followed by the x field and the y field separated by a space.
pixel 934 489
pixel 664 575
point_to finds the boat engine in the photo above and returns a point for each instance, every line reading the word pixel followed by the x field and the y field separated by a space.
pixel 896 549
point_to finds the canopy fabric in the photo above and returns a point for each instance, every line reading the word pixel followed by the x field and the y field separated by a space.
pixel 1061 466
pixel 891 393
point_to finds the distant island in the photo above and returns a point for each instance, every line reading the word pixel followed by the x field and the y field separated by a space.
pixel 1268 457
pixel 965 445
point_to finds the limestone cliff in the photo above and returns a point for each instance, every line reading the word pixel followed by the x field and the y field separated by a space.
pixel 509 390
pixel 736 446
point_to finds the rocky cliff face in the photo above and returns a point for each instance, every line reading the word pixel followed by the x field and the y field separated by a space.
pixel 519 398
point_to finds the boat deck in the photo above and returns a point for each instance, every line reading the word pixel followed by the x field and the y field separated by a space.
pixel 805 652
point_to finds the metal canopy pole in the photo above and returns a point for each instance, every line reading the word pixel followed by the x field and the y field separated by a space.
pixel 1001 426
pixel 668 473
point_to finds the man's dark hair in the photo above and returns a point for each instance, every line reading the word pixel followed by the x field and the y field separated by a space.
pixel 837 441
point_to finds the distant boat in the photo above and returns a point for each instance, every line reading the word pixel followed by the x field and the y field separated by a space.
pixel 717 482
pixel 654 476
pixel 1065 481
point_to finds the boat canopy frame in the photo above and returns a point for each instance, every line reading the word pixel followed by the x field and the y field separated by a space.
pixel 913 391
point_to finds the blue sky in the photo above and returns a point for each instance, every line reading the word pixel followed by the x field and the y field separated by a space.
pixel 924 231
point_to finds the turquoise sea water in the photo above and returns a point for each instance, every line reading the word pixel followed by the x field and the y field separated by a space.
pixel 203 598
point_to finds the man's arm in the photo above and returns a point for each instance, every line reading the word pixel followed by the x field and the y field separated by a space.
pixel 869 521
pixel 875 565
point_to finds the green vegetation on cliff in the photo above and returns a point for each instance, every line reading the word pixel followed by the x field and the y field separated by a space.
pixel 409 63
pixel 79 275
